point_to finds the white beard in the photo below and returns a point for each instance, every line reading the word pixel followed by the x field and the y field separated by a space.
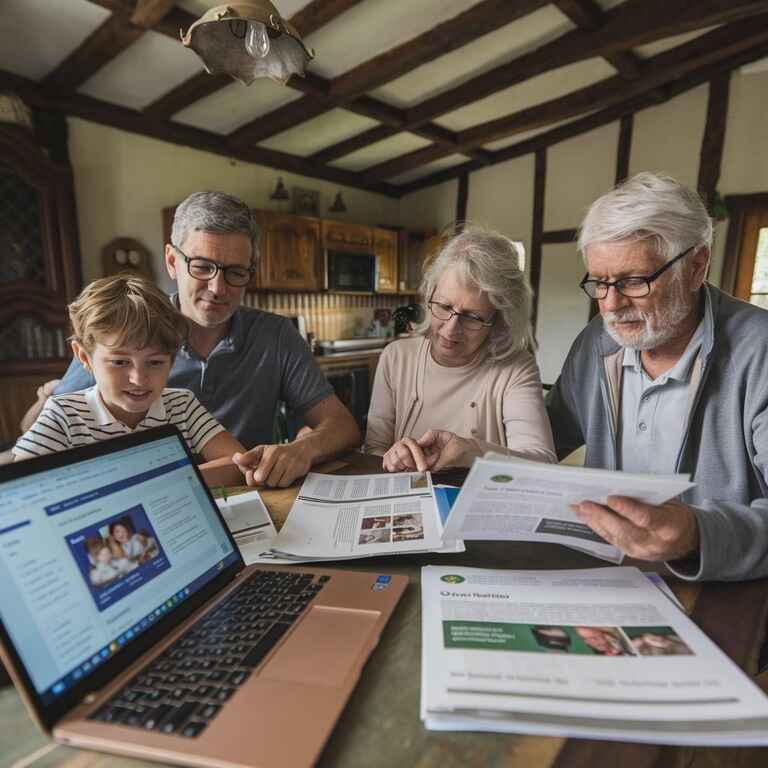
pixel 659 327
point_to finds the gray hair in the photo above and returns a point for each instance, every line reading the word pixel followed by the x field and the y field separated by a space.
pixel 648 207
pixel 217 213
pixel 489 262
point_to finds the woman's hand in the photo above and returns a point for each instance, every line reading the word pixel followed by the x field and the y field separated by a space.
pixel 442 449
pixel 434 450
pixel 405 456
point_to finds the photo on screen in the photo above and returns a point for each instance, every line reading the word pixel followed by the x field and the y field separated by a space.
pixel 118 555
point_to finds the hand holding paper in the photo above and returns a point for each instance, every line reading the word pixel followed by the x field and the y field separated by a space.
pixel 643 531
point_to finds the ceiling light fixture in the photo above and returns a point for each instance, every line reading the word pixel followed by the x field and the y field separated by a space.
pixel 248 41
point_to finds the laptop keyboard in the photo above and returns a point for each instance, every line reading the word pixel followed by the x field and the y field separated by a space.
pixel 185 687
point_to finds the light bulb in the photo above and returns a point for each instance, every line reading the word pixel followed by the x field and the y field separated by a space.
pixel 257 40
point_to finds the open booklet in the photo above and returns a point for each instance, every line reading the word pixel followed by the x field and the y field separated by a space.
pixel 518 500
pixel 597 653
pixel 337 517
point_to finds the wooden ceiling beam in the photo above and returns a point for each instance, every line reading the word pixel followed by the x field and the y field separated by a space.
pixel 597 119
pixel 124 27
pixel 632 23
pixel 95 110
pixel 484 17
pixel 148 13
pixel 587 14
pixel 309 19
pixel 659 70
pixel 108 40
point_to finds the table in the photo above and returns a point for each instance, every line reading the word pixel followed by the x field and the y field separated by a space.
pixel 380 725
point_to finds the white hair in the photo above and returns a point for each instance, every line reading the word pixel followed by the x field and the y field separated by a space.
pixel 490 262
pixel 648 207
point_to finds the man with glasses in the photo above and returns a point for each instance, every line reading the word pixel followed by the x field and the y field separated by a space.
pixel 671 377
pixel 240 361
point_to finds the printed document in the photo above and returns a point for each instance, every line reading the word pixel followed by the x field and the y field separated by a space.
pixel 337 517
pixel 595 653
pixel 519 500
pixel 252 527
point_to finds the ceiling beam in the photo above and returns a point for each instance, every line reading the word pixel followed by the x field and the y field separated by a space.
pixel 659 70
pixel 484 17
pixel 309 19
pixel 124 27
pixel 95 110
pixel 633 23
pixel 596 119
pixel 587 14
pixel 147 13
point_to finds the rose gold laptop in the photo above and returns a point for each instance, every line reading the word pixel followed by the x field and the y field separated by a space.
pixel 130 624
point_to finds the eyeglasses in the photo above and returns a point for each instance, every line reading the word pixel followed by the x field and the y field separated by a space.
pixel 468 322
pixel 205 270
pixel 634 287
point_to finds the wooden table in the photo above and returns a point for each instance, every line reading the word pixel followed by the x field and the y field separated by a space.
pixel 380 725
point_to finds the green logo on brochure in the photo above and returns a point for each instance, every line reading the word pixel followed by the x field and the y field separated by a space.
pixel 452 578
pixel 502 478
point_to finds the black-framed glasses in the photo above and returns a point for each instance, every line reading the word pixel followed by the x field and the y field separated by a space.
pixel 468 322
pixel 205 270
pixel 633 287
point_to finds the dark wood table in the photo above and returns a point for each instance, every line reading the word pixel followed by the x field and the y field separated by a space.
pixel 381 726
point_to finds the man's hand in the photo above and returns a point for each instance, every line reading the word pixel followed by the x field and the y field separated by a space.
pixel 275 465
pixel 643 531
pixel 44 391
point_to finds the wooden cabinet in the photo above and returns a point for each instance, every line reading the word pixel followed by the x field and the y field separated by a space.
pixel 39 271
pixel 415 249
pixel 290 257
pixel 385 248
pixel 345 236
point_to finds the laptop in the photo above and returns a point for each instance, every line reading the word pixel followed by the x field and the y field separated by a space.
pixel 130 624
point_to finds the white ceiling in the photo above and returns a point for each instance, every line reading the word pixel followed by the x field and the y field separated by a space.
pixel 155 64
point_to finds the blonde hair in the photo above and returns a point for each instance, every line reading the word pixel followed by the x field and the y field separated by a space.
pixel 490 262
pixel 132 308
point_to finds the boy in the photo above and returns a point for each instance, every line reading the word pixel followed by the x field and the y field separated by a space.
pixel 126 333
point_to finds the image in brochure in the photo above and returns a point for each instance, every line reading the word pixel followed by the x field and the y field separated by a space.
pixel 118 555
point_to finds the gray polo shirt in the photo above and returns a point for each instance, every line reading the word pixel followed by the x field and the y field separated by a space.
pixel 654 412
pixel 260 361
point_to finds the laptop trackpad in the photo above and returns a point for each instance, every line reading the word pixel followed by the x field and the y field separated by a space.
pixel 324 647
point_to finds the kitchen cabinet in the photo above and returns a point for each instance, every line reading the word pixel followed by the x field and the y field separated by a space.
pixel 345 236
pixel 385 248
pixel 290 255
pixel 414 249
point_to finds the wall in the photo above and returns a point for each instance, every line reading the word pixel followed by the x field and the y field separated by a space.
pixel 666 138
pixel 123 181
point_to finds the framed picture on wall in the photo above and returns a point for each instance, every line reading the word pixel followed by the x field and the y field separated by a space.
pixel 306 202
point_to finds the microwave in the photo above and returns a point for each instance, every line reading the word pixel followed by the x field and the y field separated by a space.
pixel 350 271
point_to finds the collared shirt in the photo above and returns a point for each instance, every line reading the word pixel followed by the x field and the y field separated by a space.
pixel 261 360
pixel 81 418
pixel 654 412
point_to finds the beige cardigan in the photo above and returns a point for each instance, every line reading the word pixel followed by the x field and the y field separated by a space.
pixel 508 415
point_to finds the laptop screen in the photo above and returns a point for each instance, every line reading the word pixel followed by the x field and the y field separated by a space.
pixel 94 553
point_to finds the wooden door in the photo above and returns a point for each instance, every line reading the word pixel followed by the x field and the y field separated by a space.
pixel 290 254
pixel 385 248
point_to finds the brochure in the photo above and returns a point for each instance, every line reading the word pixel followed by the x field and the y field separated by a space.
pixel 519 500
pixel 595 653
pixel 336 517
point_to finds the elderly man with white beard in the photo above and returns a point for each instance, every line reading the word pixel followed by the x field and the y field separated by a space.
pixel 672 376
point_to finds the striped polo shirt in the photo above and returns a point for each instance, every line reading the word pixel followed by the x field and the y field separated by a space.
pixel 81 418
